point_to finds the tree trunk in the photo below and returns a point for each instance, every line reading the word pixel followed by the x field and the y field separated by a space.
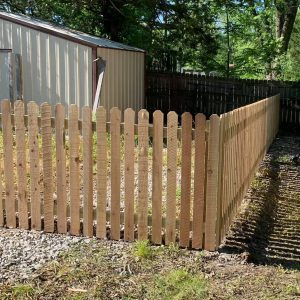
pixel 286 15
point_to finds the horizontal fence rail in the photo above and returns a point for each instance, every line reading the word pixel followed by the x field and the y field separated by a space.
pixel 117 179
pixel 217 95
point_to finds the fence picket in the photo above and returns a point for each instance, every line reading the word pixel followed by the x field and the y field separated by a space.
pixel 10 208
pixel 33 144
pixel 87 171
pixel 171 178
pixel 157 176
pixel 143 126
pixel 101 172
pixel 74 170
pixel 212 183
pixel 47 167
pixel 61 185
pixel 186 152
pixel 225 163
pixel 115 120
pixel 21 164
pixel 129 116
pixel 199 181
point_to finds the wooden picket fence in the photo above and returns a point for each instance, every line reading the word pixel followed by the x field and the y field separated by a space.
pixel 130 181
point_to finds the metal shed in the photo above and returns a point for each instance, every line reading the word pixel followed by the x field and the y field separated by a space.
pixel 62 65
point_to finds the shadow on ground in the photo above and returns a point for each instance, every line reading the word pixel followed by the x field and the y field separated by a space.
pixel 267 230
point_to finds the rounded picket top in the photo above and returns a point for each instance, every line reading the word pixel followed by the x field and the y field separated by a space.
pixel 5 101
pixel 129 110
pixel 59 106
pixel 214 117
pixel 101 117
pixel 200 117
pixel 73 109
pixel 100 110
pixel 158 118
pixel 59 111
pixel 129 116
pixel 19 104
pixel 115 114
pixel 45 108
pixel 32 107
pixel 45 104
pixel 143 115
pixel 186 117
pixel 86 109
pixel 172 113
pixel 172 119
pixel 158 114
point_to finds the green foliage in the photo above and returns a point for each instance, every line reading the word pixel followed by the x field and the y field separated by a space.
pixel 291 63
pixel 258 184
pixel 142 249
pixel 22 291
pixel 203 35
pixel 179 285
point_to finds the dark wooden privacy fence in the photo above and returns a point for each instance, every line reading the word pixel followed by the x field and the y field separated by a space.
pixel 216 95
pixel 120 180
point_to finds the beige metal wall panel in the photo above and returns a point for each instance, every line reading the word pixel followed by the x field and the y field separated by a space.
pixel 54 69
pixel 123 82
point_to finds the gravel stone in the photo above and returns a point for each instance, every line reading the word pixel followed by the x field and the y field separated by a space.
pixel 23 252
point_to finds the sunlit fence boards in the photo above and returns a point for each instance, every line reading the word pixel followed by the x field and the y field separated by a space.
pixel 117 179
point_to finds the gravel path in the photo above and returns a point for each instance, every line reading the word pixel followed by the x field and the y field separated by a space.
pixel 268 227
pixel 23 252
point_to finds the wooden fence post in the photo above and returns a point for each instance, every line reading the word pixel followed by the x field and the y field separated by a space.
pixel 199 181
pixel 33 131
pixel 87 136
pixel 10 208
pixel 143 127
pixel 171 178
pixel 185 204
pixel 129 116
pixel 115 119
pixel 212 183
pixel 61 184
pixel 47 166
pixel 101 171
pixel 157 176
pixel 21 164
pixel 74 170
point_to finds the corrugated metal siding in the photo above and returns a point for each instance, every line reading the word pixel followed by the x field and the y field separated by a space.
pixel 10 76
pixel 4 76
pixel 123 82
pixel 54 69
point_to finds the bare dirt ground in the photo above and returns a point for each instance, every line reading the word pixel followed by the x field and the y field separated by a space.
pixel 259 260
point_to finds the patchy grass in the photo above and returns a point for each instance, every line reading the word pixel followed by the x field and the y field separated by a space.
pixel 116 270
pixel 258 184
pixel 18 291
pixel 284 159
pixel 179 284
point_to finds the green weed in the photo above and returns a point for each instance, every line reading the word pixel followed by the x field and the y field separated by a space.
pixel 179 285
pixel 142 249
pixel 22 291
pixel 284 159
pixel 294 290
pixel 258 184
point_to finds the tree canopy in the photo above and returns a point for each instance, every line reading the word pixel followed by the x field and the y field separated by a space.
pixel 247 38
